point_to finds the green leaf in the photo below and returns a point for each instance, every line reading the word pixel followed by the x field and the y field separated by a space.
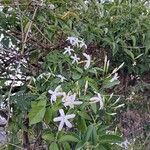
pixel 80 145
pixel 84 115
pixel 109 138
pixel 67 138
pixel 76 75
pixel 89 132
pixel 108 84
pixel 104 147
pixel 94 108
pixel 81 124
pixel 48 115
pixel 53 146
pixel 128 52
pixel 134 40
pixel 94 135
pixel 66 146
pixel 37 111
pixel 48 137
pixel 93 84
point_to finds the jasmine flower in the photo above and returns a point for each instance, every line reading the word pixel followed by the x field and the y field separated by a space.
pixel 68 50
pixel 63 119
pixel 88 61
pixel 86 2
pixel 82 44
pixel 45 74
pixel 75 59
pixel 115 77
pixel 56 93
pixel 62 78
pixel 124 144
pixel 51 6
pixel 70 100
pixel 99 99
pixel 74 41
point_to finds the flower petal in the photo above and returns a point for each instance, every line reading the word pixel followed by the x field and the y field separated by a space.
pixel 61 125
pixel 94 99
pixel 70 116
pixel 58 88
pixel 77 102
pixel 68 124
pixel 61 111
pixel 50 92
pixel 57 119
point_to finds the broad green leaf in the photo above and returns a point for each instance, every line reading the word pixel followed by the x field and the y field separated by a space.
pixel 53 146
pixel 81 124
pixel 67 138
pixel 66 146
pixel 84 115
pixel 76 75
pixel 48 115
pixel 48 137
pixel 37 111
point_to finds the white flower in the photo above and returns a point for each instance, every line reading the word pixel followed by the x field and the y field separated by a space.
pixel 115 77
pixel 75 59
pixel 45 74
pixel 82 44
pixel 88 61
pixel 63 119
pixel 103 1
pixel 134 63
pixel 3 121
pixel 51 6
pixel 68 50
pixel 56 93
pixel 73 41
pixel 62 78
pixel 86 2
pixel 98 99
pixel 70 100
pixel 124 144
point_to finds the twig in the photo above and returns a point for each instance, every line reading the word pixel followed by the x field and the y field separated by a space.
pixel 14 145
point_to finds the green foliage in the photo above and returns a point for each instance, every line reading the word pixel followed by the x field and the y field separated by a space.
pixel 120 27
pixel 38 109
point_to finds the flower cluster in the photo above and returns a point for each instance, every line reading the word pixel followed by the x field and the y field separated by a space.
pixel 48 74
pixel 68 100
pixel 74 41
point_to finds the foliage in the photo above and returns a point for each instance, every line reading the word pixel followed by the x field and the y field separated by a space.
pixel 46 48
